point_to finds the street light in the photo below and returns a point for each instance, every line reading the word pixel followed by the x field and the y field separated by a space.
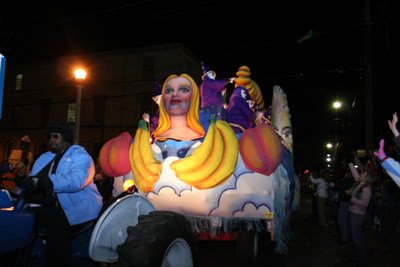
pixel 329 145
pixel 80 76
pixel 338 104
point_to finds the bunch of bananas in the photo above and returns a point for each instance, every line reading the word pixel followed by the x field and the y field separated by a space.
pixel 213 162
pixel 145 168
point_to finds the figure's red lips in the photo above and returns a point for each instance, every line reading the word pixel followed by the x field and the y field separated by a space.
pixel 175 101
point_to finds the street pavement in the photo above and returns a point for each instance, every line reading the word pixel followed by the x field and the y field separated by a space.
pixel 310 245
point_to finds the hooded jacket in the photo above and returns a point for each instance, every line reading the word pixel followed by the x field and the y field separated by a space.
pixel 73 184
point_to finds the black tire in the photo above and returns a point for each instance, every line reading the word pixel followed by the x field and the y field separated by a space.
pixel 148 241
pixel 248 245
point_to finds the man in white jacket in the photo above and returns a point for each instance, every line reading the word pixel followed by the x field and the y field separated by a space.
pixel 323 185
pixel 61 183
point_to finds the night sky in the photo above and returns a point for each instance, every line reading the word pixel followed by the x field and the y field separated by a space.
pixel 228 34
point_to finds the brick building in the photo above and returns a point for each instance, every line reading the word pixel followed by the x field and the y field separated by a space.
pixel 117 90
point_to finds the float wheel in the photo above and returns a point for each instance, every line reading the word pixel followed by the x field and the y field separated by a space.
pixel 159 239
pixel 248 244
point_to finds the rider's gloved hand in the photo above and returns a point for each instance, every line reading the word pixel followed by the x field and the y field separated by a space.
pixel 381 153
pixel 45 187
pixel 43 183
pixel 28 184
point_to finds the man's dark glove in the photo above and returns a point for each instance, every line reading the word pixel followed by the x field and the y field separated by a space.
pixel 45 187
pixel 42 192
pixel 28 184
pixel 44 184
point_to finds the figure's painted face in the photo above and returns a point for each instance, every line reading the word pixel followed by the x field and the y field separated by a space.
pixel 243 94
pixel 211 75
pixel 178 96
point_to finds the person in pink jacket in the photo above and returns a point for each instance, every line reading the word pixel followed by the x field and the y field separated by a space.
pixel 360 197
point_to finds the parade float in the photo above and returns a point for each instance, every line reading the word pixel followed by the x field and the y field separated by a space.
pixel 195 174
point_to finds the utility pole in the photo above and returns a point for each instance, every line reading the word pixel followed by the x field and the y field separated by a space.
pixel 368 77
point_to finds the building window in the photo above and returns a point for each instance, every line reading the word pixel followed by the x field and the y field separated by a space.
pixel 18 82
pixel 148 67
pixel 15 115
pixel 44 114
pixel 71 112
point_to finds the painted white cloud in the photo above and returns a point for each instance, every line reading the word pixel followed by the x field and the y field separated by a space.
pixel 249 210
pixel 248 195
pixel 252 189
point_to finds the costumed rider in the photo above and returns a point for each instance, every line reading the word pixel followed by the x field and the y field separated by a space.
pixel 259 116
pixel 10 172
pixel 266 116
pixel 240 115
pixel 154 119
pixel 211 89
pixel 64 196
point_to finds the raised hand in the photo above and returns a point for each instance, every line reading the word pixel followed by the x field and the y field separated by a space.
pixel 392 125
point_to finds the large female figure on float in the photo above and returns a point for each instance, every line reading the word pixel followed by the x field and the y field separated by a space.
pixel 179 110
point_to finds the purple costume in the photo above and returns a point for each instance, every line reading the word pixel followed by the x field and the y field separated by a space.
pixel 239 114
pixel 154 121
pixel 210 92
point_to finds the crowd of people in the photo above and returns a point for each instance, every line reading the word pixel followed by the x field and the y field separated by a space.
pixel 13 174
pixel 363 195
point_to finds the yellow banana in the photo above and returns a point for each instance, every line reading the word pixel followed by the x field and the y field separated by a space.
pixel 150 161
pixel 199 156
pixel 209 166
pixel 145 168
pixel 242 80
pixel 140 182
pixel 229 158
pixel 244 68
pixel 243 73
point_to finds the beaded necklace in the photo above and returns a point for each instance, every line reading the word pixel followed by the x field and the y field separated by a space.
pixel 361 188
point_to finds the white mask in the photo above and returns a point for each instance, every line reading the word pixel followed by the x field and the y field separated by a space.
pixel 211 75
pixel 157 99
pixel 243 94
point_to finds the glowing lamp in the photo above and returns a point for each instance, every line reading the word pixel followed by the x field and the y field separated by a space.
pixel 128 184
pixel 80 74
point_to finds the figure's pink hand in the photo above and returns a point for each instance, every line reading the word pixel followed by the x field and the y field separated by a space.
pixel 381 153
